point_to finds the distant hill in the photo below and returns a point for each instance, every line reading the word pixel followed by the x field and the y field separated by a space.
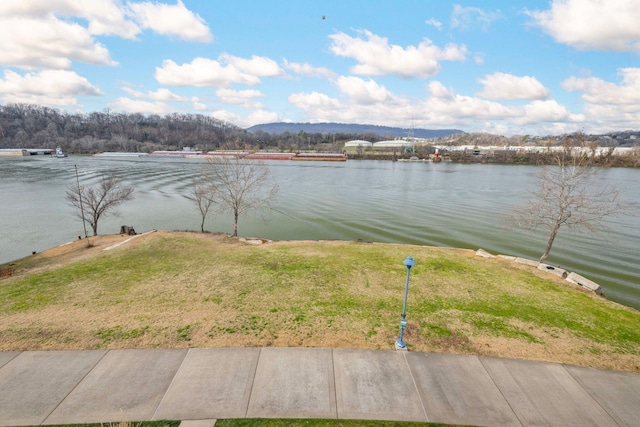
pixel 352 129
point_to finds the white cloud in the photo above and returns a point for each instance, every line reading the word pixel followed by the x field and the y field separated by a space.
pixel 208 72
pixel 260 66
pixel 49 43
pixel 105 17
pixel 444 101
pixel 138 106
pixel 260 117
pixel 255 118
pixel 609 105
pixel 171 20
pixel 434 23
pixel 592 24
pixel 377 57
pixel 54 101
pixel 47 87
pixel 243 98
pixel 201 72
pixel 161 94
pixel 308 70
pixel 466 18
pixel 228 117
pixel 605 117
pixel 547 111
pixel 53 33
pixel 363 91
pixel 502 86
pixel 597 91
pixel 314 101
pixel 197 105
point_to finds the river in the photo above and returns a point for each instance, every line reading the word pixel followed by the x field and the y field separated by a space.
pixel 442 204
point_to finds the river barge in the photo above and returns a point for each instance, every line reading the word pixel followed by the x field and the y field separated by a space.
pixel 19 152
pixel 331 157
pixel 252 155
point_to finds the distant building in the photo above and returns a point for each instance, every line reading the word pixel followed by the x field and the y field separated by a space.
pixel 394 143
pixel 357 143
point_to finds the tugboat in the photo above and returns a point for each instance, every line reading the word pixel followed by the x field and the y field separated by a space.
pixel 59 154
pixel 436 157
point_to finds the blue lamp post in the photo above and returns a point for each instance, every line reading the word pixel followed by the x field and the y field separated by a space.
pixel 400 344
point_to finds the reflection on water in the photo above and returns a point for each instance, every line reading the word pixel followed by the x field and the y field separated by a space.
pixel 417 203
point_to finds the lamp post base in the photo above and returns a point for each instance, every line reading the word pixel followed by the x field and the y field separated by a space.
pixel 401 346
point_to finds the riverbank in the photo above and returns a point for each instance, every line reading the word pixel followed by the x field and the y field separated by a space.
pixel 176 290
pixel 446 204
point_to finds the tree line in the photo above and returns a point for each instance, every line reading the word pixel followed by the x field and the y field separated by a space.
pixel 35 126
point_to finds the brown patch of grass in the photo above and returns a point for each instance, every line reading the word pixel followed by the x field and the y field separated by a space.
pixel 200 290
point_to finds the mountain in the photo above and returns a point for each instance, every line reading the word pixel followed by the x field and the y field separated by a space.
pixel 352 129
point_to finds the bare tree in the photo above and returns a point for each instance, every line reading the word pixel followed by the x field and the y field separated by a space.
pixel 568 194
pixel 241 186
pixel 203 196
pixel 98 201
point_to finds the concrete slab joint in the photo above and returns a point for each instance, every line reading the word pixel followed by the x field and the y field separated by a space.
pixel 199 386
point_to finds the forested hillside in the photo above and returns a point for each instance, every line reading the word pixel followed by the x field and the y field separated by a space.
pixel 33 126
pixel 353 129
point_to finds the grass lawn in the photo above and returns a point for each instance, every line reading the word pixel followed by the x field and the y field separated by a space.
pixel 170 289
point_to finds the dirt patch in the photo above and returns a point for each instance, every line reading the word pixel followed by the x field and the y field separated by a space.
pixel 55 257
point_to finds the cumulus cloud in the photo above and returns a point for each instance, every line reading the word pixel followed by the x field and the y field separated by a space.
pixel 259 117
pixel 53 33
pixel 547 111
pixel 47 87
pixel 434 23
pixel 255 118
pixel 507 87
pixel 106 17
pixel 171 20
pixel 49 42
pixel 51 82
pixel 363 91
pixel 444 100
pixel 201 72
pixel 606 117
pixel 314 101
pixel 377 57
pixel 161 94
pixel 260 66
pixel 209 72
pixel 597 91
pixel 243 98
pixel 138 106
pixel 592 24
pixel 196 104
pixel 308 70
pixel 466 18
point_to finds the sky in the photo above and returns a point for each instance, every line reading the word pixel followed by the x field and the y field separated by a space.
pixel 527 67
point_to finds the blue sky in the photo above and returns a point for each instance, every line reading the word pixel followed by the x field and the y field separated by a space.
pixel 504 67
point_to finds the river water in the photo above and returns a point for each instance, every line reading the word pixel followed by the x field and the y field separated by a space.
pixel 442 204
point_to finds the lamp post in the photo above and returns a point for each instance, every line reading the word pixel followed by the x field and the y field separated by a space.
pixel 400 344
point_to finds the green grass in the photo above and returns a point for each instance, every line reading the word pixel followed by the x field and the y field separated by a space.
pixel 190 290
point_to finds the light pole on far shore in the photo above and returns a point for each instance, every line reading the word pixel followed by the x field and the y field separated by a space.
pixel 400 344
